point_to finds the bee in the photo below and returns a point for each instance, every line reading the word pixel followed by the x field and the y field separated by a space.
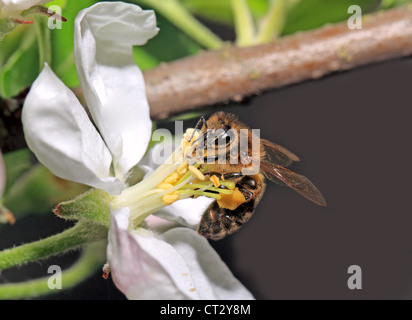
pixel 272 159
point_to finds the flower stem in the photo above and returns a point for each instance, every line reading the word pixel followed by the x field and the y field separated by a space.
pixel 91 259
pixel 245 29
pixel 81 233
pixel 176 13
pixel 273 22
pixel 44 42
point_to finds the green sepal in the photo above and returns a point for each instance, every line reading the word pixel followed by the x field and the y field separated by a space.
pixel 92 206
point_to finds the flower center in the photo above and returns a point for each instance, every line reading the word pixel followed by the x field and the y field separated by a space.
pixel 179 177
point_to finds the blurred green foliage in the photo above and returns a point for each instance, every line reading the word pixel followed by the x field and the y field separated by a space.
pixel 31 188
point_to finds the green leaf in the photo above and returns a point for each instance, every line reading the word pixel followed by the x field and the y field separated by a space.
pixel 22 67
pixel 16 163
pixel 312 14
pixel 37 191
pixel 221 10
pixel 11 42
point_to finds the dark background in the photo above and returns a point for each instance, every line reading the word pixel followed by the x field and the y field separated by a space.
pixel 352 131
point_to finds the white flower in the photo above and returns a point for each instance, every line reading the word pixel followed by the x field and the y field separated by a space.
pixel 56 126
pixel 177 263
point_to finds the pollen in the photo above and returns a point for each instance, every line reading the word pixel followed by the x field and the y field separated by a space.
pixel 231 201
pixel 215 181
pixel 171 178
pixel 170 198
pixel 195 171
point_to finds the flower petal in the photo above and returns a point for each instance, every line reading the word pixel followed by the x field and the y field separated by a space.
pixel 179 264
pixel 187 212
pixel 134 270
pixel 212 278
pixel 112 83
pixel 59 132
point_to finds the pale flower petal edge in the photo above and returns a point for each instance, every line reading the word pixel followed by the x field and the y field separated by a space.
pixel 113 85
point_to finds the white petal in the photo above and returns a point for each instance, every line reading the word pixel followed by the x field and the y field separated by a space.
pixel 187 212
pixel 137 273
pixel 212 278
pixel 179 264
pixel 59 132
pixel 112 83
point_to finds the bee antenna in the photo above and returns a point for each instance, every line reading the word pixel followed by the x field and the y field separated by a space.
pixel 202 122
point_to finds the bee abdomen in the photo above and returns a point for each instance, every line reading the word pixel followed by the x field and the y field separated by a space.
pixel 217 222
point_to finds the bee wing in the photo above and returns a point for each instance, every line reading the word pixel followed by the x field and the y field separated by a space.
pixel 278 154
pixel 297 182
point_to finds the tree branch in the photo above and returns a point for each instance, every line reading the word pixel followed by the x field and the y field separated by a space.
pixel 233 73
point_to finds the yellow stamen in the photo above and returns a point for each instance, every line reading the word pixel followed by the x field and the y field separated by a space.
pixel 165 186
pixel 195 171
pixel 172 178
pixel 182 169
pixel 215 181
pixel 170 198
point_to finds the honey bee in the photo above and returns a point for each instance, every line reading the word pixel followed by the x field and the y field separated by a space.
pixel 219 221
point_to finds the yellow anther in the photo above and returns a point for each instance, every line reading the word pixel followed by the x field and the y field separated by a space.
pixel 195 171
pixel 171 178
pixel 182 169
pixel 165 186
pixel 170 198
pixel 215 181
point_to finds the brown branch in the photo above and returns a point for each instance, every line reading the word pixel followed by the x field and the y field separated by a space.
pixel 232 73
